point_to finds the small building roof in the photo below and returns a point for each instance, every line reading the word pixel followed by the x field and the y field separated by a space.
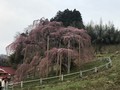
pixel 8 70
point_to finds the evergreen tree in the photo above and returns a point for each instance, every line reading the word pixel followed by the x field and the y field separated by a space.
pixel 103 34
pixel 69 18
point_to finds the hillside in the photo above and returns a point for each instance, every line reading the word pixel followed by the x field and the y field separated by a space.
pixel 104 80
pixel 108 79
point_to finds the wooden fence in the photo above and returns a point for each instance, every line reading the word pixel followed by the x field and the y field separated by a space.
pixel 22 84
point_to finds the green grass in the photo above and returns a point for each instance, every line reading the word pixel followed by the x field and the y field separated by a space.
pixel 92 64
pixel 105 80
pixel 108 79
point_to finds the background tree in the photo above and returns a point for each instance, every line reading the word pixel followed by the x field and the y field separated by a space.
pixel 4 61
pixel 69 18
pixel 103 34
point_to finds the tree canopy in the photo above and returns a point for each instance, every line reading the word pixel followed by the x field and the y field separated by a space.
pixel 69 18
pixel 50 47
pixel 103 34
pixel 4 61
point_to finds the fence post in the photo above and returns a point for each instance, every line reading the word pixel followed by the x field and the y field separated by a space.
pixel 12 86
pixel 6 86
pixel 107 66
pixel 21 84
pixel 62 77
pixel 80 73
pixel 41 81
pixel 110 62
pixel 96 70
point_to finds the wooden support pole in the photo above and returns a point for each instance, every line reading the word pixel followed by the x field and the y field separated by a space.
pixel 57 63
pixel 60 64
pixel 69 61
pixel 81 74
pixel 79 53
pixel 96 70
pixel 47 55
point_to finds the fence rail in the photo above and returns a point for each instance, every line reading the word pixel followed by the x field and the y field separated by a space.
pixel 61 77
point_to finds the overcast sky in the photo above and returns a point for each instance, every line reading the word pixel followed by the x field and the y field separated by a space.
pixel 15 15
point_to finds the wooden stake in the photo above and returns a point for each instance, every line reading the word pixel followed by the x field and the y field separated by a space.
pixel 69 62
pixel 60 64
pixel 47 54
pixel 57 63
pixel 79 51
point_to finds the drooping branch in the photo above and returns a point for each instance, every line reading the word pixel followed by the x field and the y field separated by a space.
pixel 58 47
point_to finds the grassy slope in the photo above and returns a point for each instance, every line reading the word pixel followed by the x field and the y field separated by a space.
pixel 105 80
